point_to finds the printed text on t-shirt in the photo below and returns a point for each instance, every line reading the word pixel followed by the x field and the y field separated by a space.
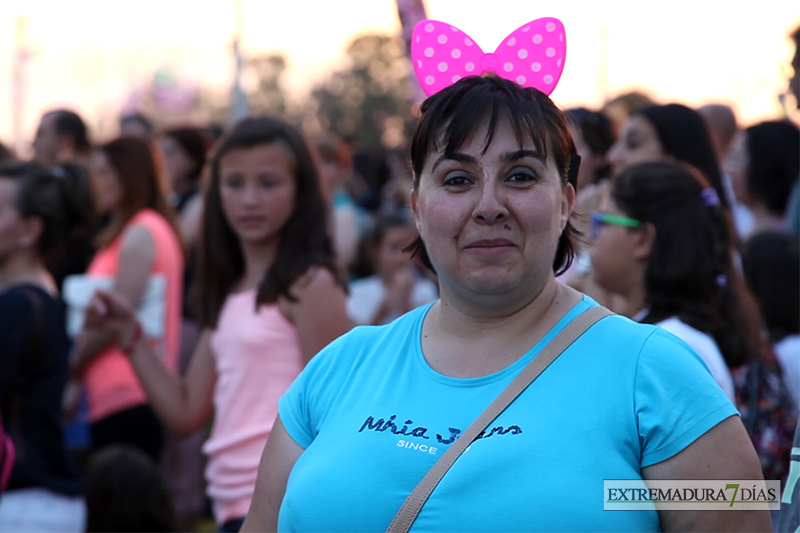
pixel 410 430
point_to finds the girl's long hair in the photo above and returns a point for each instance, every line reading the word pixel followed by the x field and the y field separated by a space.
pixel 689 273
pixel 304 240
pixel 143 185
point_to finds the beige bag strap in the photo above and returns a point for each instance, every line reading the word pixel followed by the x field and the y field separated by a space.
pixel 413 504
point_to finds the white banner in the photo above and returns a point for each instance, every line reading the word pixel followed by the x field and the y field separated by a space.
pixel 694 494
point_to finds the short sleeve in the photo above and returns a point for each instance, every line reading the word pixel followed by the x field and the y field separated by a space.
pixel 303 406
pixel 292 408
pixel 676 398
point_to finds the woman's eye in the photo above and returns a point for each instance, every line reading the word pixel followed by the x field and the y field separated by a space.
pixel 233 183
pixel 267 183
pixel 455 180
pixel 521 175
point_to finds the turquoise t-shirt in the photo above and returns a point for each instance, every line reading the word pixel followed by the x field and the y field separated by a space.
pixel 373 417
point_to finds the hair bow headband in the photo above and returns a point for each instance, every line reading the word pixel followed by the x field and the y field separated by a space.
pixel 532 56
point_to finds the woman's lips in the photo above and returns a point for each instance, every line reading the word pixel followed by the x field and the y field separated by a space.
pixel 251 221
pixel 490 246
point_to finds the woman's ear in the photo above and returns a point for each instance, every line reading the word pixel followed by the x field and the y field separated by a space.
pixel 644 241
pixel 30 230
pixel 567 204
pixel 412 203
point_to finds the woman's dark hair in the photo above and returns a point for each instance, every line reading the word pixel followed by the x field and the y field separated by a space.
pixel 689 272
pixel 126 492
pixel 70 123
pixel 454 114
pixel 774 163
pixel 597 134
pixel 304 240
pixel 683 134
pixel 57 201
pixel 365 261
pixel 194 142
pixel 771 265
pixel 143 185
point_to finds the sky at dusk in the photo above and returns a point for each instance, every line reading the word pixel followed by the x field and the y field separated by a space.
pixel 90 54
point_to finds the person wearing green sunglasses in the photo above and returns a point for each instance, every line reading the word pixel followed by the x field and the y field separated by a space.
pixel 599 219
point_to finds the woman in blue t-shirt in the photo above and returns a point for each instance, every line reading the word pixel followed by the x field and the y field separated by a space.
pixel 374 410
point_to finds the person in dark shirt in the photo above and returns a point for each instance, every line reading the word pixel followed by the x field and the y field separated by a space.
pixel 37 211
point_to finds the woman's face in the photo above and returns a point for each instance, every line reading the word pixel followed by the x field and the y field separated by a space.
pixel 107 185
pixel 736 165
pixel 390 255
pixel 258 188
pixel 177 162
pixel 613 254
pixel 491 219
pixel 637 143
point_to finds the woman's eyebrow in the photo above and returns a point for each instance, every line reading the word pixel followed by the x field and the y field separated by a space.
pixel 510 157
pixel 457 156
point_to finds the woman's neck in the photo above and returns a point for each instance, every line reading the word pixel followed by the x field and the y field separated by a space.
pixel 507 316
pixel 258 259
pixel 25 268
pixel 460 342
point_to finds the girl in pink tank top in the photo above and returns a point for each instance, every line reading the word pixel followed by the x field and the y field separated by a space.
pixel 270 298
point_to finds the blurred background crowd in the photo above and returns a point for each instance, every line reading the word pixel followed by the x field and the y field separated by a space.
pixel 88 164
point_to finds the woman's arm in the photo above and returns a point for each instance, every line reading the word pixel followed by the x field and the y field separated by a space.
pixel 184 405
pixel 320 312
pixel 723 452
pixel 135 262
pixel 277 461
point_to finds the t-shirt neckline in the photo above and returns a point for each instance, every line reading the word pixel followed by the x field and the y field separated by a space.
pixel 513 368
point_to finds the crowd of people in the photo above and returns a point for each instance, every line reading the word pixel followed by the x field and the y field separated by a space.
pixel 178 312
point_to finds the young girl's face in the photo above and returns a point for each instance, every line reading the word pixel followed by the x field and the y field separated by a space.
pixel 390 255
pixel 612 253
pixel 257 186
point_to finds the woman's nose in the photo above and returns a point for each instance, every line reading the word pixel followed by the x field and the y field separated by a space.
pixel 250 194
pixel 491 206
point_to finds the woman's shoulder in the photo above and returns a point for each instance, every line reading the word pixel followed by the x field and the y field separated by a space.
pixel 148 228
pixel 24 294
pixel 317 279
pixel 625 341
pixel 361 341
pixel 316 274
pixel 154 222
pixel 698 340
pixel 623 331
pixel 29 307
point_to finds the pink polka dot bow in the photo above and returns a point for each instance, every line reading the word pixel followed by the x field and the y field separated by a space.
pixel 533 55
